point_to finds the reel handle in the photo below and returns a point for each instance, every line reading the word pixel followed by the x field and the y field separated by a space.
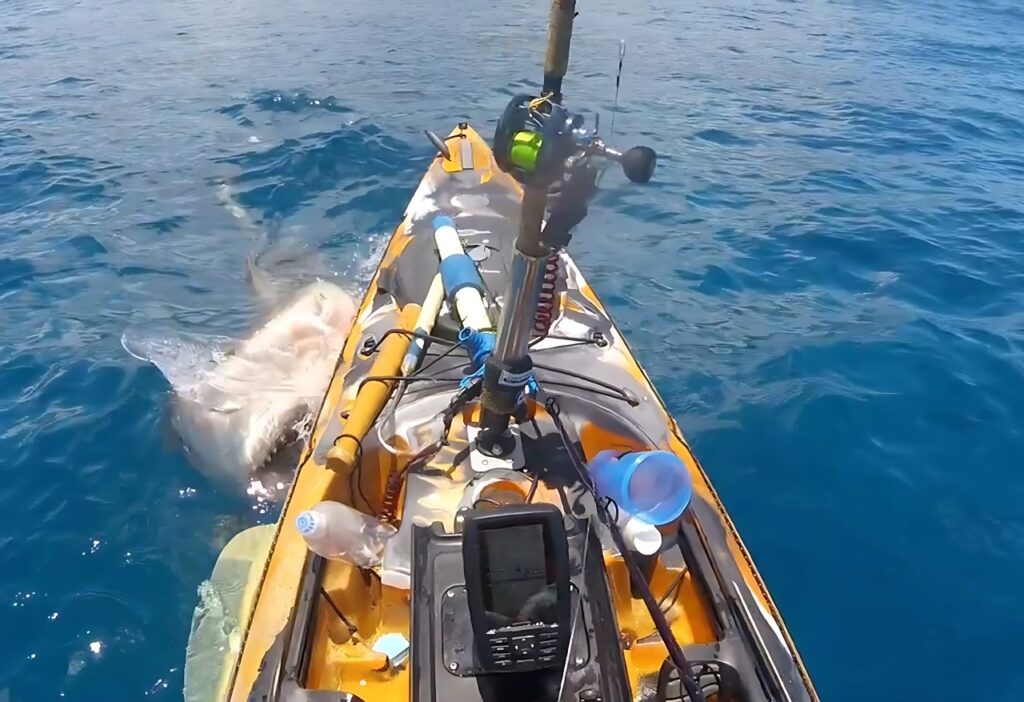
pixel 637 163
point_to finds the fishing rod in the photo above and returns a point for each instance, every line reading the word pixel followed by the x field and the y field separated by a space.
pixel 541 144
pixel 544 147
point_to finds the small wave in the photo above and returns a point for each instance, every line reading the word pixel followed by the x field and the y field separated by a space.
pixel 723 137
pixel 132 271
pixel 279 180
pixel 279 102
pixel 70 178
pixel 841 181
pixel 165 225
pixel 72 80
pixel 297 102
pixel 15 273
pixel 86 245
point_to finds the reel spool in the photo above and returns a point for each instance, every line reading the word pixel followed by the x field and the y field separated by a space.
pixel 533 139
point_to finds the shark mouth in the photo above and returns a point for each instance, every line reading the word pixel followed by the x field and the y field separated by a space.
pixel 240 419
pixel 291 440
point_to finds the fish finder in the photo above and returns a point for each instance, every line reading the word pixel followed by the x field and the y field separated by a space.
pixel 516 561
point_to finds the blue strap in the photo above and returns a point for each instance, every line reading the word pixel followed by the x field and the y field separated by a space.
pixel 480 345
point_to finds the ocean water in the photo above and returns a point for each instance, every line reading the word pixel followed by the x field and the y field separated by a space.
pixel 824 280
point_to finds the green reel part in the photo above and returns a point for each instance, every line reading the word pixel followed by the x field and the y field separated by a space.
pixel 525 150
pixel 532 143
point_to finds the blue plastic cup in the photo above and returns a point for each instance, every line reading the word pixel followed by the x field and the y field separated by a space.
pixel 653 486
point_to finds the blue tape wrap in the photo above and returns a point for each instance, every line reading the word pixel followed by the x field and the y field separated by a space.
pixel 413 354
pixel 458 272
pixel 443 221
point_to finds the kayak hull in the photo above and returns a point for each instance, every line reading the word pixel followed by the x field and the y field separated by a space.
pixel 719 604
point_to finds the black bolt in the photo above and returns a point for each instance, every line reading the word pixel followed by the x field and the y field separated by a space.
pixel 367 348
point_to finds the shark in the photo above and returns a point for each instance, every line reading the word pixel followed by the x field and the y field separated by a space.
pixel 237 404
pixel 243 408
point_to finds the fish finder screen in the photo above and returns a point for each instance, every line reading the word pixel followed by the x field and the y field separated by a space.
pixel 516 586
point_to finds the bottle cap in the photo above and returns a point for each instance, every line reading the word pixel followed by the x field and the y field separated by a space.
pixel 309 523
pixel 394 646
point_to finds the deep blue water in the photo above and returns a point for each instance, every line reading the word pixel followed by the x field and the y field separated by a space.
pixel 824 280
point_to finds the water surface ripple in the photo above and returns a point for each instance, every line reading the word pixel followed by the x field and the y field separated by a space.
pixel 824 280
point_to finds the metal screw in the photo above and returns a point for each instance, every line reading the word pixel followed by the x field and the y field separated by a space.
pixel 453 666
pixel 451 593
pixel 579 661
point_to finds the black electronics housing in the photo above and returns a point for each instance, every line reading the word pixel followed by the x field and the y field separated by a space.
pixel 445 657
pixel 516 564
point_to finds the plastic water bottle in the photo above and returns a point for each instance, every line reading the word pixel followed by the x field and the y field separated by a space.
pixel 653 486
pixel 338 532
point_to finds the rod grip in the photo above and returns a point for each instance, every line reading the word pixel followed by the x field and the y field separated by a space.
pixel 559 37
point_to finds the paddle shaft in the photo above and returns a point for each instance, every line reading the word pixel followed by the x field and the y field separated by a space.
pixel 373 394
pixel 424 325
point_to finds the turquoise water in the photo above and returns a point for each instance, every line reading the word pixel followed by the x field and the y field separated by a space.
pixel 824 281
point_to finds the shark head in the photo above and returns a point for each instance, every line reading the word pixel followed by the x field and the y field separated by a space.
pixel 241 412
pixel 243 408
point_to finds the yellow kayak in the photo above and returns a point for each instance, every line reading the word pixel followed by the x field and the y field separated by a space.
pixel 494 504
pixel 312 628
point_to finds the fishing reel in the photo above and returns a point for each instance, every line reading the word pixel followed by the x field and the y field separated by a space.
pixel 535 138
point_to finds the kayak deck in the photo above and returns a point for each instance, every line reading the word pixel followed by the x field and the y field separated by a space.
pixel 708 587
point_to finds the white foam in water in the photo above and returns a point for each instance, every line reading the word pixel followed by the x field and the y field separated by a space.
pixel 378 244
